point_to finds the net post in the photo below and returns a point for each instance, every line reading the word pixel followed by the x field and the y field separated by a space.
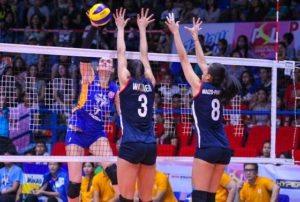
pixel 273 109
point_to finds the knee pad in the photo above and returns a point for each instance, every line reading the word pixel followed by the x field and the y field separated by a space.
pixel 199 196
pixel 211 197
pixel 111 172
pixel 73 190
pixel 122 199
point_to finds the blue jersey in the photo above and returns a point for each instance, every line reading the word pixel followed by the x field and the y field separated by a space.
pixel 136 102
pixel 208 115
pixel 94 106
pixel 58 184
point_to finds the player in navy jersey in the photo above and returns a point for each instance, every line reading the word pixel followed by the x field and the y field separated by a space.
pixel 210 93
pixel 86 125
pixel 137 154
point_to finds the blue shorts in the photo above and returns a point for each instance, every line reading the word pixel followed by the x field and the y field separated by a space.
pixel 214 155
pixel 137 152
pixel 82 139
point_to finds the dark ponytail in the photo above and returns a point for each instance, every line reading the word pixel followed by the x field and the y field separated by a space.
pixel 231 86
pixel 136 69
pixel 220 78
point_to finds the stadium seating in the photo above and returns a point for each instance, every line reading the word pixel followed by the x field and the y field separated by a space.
pixel 58 149
pixel 285 139
pixel 114 149
pixel 166 150
pixel 111 129
pixel 187 151
pixel 184 132
pixel 235 140
pixel 159 129
pixel 297 156
pixel 194 139
pixel 257 136
pixel 246 152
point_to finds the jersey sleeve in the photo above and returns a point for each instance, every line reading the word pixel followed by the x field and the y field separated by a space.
pixel 268 183
pixel 161 182
pixel 243 194
pixel 96 182
pixel 225 180
pixel 46 178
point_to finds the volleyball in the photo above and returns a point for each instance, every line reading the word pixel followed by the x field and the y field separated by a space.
pixel 99 14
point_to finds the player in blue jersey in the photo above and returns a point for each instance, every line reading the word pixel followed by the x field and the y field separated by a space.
pixel 210 93
pixel 137 154
pixel 86 125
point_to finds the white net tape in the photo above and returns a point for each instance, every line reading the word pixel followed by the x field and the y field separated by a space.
pixel 48 50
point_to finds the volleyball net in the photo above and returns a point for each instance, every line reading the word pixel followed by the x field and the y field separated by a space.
pixel 42 100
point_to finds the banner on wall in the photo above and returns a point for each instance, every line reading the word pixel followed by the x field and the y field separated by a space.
pixel 286 176
pixel 261 36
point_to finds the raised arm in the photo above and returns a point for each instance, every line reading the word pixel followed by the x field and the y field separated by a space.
pixel 143 20
pixel 188 71
pixel 123 73
pixel 199 52
pixel 86 70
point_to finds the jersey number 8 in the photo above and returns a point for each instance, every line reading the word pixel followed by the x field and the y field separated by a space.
pixel 215 112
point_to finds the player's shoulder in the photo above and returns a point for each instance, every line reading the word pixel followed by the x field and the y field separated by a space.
pixel 264 180
pixel 113 86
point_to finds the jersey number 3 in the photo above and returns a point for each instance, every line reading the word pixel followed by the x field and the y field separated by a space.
pixel 142 111
pixel 215 112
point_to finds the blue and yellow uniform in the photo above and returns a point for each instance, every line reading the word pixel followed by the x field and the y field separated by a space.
pixel 138 142
pixel 86 124
pixel 213 145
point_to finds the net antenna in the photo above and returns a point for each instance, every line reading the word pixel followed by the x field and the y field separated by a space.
pixel 296 104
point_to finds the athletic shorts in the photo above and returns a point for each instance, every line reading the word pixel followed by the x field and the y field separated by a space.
pixel 137 152
pixel 214 155
pixel 82 139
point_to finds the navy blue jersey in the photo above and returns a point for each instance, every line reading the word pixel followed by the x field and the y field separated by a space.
pixel 136 102
pixel 208 115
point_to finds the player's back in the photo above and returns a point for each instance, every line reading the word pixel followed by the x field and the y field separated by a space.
pixel 208 115
pixel 136 103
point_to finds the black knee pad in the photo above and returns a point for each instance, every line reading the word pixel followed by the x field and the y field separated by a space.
pixel 73 189
pixel 122 199
pixel 199 196
pixel 211 197
pixel 111 172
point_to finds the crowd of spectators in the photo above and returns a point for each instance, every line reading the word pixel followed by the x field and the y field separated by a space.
pixel 63 22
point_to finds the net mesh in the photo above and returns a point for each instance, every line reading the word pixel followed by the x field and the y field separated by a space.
pixel 47 115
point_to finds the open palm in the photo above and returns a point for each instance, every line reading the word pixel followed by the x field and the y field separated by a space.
pixel 143 20
pixel 196 27
pixel 172 25
pixel 119 17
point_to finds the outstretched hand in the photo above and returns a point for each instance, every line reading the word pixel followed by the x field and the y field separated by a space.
pixel 119 17
pixel 195 29
pixel 172 25
pixel 143 20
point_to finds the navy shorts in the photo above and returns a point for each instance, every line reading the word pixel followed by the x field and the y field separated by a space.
pixel 214 155
pixel 138 152
pixel 82 139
